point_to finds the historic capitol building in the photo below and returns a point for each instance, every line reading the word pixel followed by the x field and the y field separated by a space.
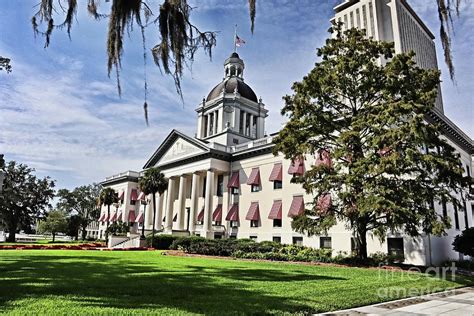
pixel 226 183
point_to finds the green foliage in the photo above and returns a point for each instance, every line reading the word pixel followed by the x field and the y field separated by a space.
pixel 107 197
pixel 388 164
pixel 82 202
pixel 5 66
pixel 153 181
pixel 118 229
pixel 23 198
pixel 464 243
pixel 161 242
pixel 73 226
pixel 55 222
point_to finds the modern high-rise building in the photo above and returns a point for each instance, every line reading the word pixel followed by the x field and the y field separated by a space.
pixel 225 182
pixel 392 21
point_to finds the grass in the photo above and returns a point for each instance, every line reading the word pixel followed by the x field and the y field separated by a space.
pixel 93 282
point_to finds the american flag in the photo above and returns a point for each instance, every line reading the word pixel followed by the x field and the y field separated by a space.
pixel 238 41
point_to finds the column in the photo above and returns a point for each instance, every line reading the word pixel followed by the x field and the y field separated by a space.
pixel 216 121
pixel 194 202
pixel 159 211
pixel 208 202
pixel 221 122
pixel 251 125
pixel 149 211
pixel 169 205
pixel 181 201
pixel 236 117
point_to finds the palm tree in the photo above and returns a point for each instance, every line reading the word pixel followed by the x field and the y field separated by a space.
pixel 152 182
pixel 108 197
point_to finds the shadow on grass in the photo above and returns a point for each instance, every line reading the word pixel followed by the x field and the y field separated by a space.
pixel 109 281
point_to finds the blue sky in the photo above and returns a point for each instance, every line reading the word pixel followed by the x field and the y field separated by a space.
pixel 60 113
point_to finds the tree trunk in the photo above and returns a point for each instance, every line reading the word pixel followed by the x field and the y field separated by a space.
pixel 83 233
pixel 11 231
pixel 154 216
pixel 362 241
pixel 54 236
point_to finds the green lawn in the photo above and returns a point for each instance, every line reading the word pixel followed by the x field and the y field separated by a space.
pixel 92 282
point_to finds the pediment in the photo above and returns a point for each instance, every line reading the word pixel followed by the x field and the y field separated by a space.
pixel 175 147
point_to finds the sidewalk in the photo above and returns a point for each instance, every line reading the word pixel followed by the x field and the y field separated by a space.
pixel 457 302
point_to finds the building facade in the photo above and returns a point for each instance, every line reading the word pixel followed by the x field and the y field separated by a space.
pixel 226 183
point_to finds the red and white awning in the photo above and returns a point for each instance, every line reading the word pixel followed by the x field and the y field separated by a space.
pixel 233 214
pixel 324 203
pixel 141 196
pixel 139 218
pixel 276 211
pixel 297 167
pixel 121 195
pixel 200 217
pixel 254 178
pixel 234 180
pixel 114 217
pixel 119 217
pixel 131 216
pixel 277 172
pixel 134 195
pixel 323 158
pixel 254 213
pixel 217 214
pixel 297 206
pixel 102 217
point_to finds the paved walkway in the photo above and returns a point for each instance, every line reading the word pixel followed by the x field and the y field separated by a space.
pixel 457 302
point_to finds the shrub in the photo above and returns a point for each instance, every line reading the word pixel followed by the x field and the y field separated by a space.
pixel 162 242
pixel 464 243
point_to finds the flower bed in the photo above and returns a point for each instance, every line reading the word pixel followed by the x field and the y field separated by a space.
pixel 85 246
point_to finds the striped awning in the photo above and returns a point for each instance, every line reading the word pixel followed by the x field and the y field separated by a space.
pixel 119 216
pixel 102 217
pixel 297 206
pixel 297 167
pixel 323 158
pixel 139 218
pixel 254 213
pixel 141 196
pixel 134 195
pixel 114 217
pixel 234 180
pixel 254 178
pixel 217 214
pixel 131 216
pixel 121 195
pixel 277 172
pixel 276 211
pixel 324 203
pixel 233 214
pixel 200 217
pixel 106 218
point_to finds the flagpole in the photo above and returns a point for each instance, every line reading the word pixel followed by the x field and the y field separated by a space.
pixel 235 38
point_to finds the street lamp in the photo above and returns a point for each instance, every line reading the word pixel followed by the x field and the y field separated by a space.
pixel 142 237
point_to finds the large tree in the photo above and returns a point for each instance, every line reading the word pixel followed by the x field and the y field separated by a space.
pixel 379 166
pixel 82 201
pixel 23 198
pixel 152 182
pixel 55 222
pixel 179 38
pixel 107 197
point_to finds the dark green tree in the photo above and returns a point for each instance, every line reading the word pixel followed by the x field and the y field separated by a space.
pixel 5 64
pixel 464 243
pixel 82 201
pixel 23 198
pixel 153 182
pixel 108 197
pixel 379 165
pixel 73 226
pixel 55 222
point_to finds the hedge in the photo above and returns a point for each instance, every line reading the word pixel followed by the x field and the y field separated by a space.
pixel 162 242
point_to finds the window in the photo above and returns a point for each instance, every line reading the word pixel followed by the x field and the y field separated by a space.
pixel 298 241
pixel 395 248
pixel 217 236
pixel 232 237
pixel 204 187
pixel 468 171
pixel 217 121
pixel 255 188
pixel 254 127
pixel 352 19
pixel 277 185
pixel 325 242
pixel 220 185
pixel 132 202
pixel 211 124
pixel 277 223
pixel 235 141
pixel 254 223
pixel 358 18
pixel 345 22
pixel 364 18
pixel 234 224
pixel 217 223
pixel 241 122
pixel 234 191
pixel 456 217
pixel 253 238
pixel 371 15
pixel 206 120
pixel 445 209
pixel 466 221
pixel 247 124
pixel 276 239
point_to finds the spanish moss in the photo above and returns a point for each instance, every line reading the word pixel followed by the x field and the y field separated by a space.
pixel 252 9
